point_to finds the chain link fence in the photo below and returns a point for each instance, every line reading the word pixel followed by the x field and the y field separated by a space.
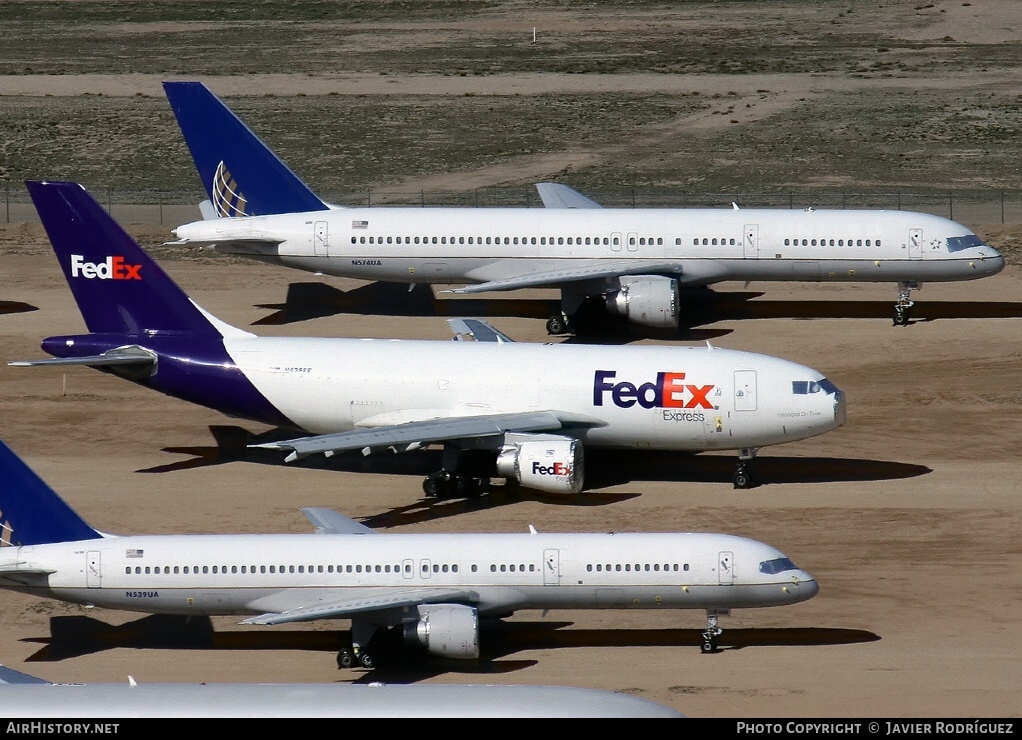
pixel 171 208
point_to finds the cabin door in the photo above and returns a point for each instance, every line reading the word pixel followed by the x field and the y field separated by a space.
pixel 751 243
pixel 915 244
pixel 726 569
pixel 320 242
pixel 93 569
pixel 745 390
pixel 551 567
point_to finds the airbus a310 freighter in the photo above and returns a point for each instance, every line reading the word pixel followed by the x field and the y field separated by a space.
pixel 526 410
pixel 636 260
pixel 433 588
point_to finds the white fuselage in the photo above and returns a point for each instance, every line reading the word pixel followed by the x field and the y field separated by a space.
pixel 655 397
pixel 703 246
pixel 254 574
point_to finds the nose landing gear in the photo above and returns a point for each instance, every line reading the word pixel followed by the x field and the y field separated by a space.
pixel 904 303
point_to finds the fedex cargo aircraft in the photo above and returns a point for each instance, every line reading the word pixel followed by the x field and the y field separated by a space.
pixel 525 412
pixel 634 260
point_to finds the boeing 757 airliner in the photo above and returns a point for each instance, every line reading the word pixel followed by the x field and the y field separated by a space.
pixel 433 588
pixel 635 259
pixel 524 410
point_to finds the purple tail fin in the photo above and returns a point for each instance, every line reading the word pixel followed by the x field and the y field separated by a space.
pixel 118 287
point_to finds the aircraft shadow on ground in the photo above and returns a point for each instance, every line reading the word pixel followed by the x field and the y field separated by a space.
pixel 609 468
pixel 698 307
pixel 75 636
pixel 16 307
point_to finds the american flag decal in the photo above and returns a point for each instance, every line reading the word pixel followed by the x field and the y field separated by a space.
pixel 227 199
pixel 133 553
pixel 360 224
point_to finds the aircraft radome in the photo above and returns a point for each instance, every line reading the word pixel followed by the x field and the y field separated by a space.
pixel 522 412
pixel 22 695
pixel 427 590
pixel 634 260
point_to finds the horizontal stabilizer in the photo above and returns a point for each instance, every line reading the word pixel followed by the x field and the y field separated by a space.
pixel 391 599
pixel 476 330
pixel 432 430
pixel 328 521
pixel 11 676
pixel 137 356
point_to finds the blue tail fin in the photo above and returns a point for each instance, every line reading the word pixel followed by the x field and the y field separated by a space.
pixel 32 513
pixel 118 287
pixel 242 176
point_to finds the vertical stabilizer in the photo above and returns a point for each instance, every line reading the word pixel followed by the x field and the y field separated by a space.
pixel 31 512
pixel 242 176
pixel 118 287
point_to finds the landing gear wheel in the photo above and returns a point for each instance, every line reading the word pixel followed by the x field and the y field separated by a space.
pixel 742 478
pixel 438 484
pixel 366 661
pixel 345 659
pixel 900 317
pixel 557 325
pixel 709 646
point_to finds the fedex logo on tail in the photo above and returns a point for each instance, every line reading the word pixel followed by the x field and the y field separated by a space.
pixel 114 268
pixel 666 392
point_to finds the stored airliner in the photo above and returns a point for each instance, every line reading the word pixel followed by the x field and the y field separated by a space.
pixel 635 259
pixel 22 695
pixel 433 588
pixel 524 411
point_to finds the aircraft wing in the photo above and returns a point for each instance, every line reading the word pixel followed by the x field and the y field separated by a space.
pixel 392 599
pixel 698 273
pixel 328 521
pixel 122 356
pixel 556 195
pixel 593 271
pixel 417 433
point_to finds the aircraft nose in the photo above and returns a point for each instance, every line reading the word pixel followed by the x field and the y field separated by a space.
pixel 805 587
pixel 990 262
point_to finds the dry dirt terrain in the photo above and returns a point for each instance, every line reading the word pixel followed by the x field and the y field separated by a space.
pixel 908 515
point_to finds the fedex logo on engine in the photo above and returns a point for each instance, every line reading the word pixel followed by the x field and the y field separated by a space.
pixel 558 468
pixel 667 392
pixel 114 268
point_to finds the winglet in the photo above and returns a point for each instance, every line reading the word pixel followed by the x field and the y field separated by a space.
pixel 476 330
pixel 33 513
pixel 242 176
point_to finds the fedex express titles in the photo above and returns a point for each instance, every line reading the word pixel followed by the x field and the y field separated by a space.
pixel 667 392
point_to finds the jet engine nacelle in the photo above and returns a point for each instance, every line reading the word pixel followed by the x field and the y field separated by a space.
pixel 648 300
pixel 547 463
pixel 446 630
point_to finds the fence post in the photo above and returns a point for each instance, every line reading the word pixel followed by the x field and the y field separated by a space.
pixel 899 200
pixel 369 198
pixel 422 198
pixel 791 200
pixel 1002 206
pixel 109 199
pixel 7 197
pixel 951 205
pixel 160 196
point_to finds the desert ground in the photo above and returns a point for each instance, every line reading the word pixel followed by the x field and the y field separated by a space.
pixel 908 515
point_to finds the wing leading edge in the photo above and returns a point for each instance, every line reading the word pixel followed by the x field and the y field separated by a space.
pixel 414 434
pixel 384 600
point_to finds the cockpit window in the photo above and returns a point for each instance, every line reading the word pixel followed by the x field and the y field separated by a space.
pixel 958 243
pixel 779 565
pixel 804 387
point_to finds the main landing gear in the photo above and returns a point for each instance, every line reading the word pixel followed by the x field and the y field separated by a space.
pixel 445 484
pixel 711 633
pixel 743 470
pixel 463 473
pixel 904 303
pixel 558 324
pixel 357 653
